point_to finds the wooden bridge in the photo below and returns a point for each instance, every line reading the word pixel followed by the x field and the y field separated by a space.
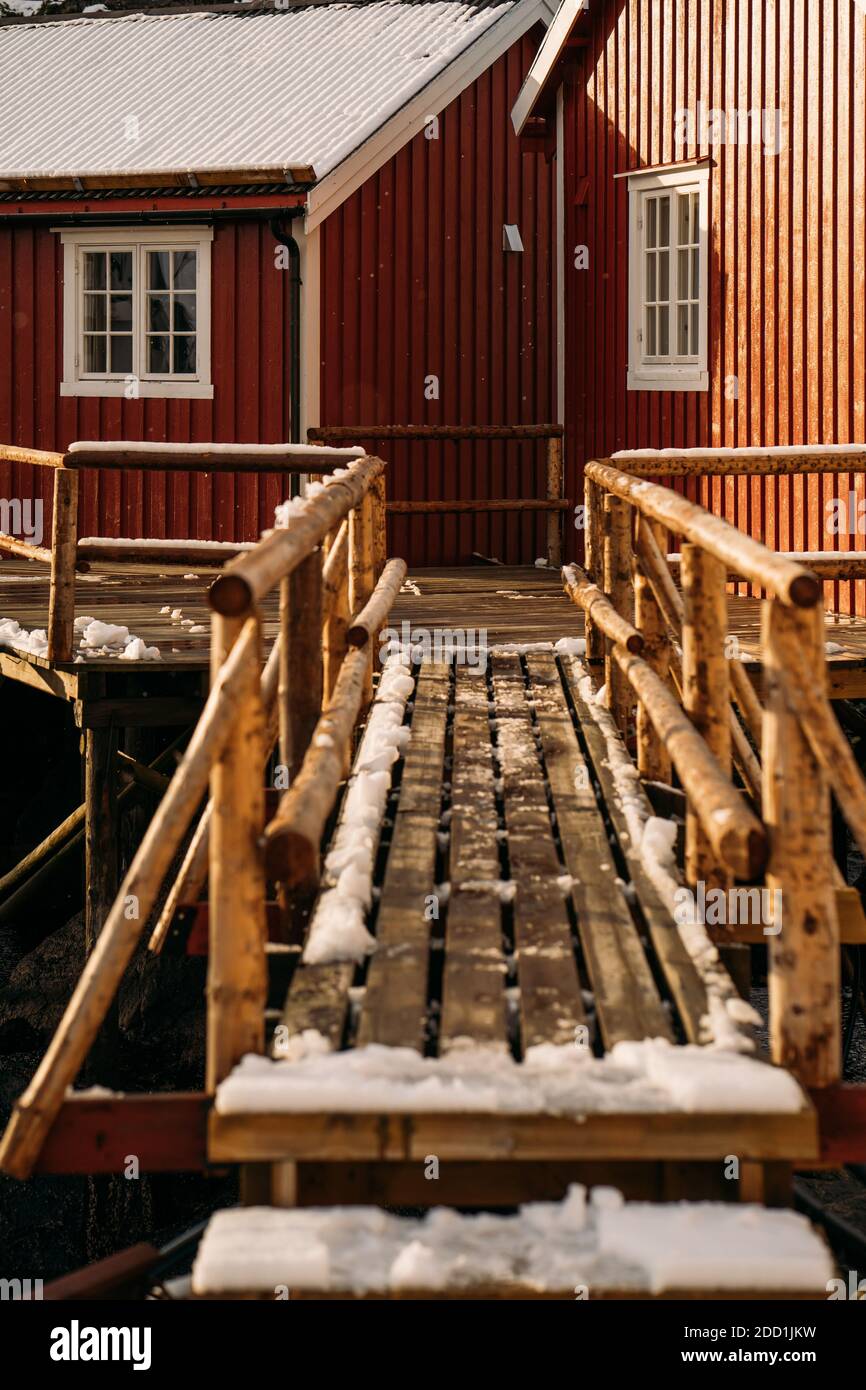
pixel 487 950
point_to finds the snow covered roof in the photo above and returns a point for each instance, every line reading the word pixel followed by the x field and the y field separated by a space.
pixel 292 92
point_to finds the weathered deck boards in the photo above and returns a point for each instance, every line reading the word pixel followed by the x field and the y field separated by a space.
pixel 505 794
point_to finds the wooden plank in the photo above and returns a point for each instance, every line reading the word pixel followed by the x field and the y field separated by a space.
pixel 95 1134
pixel 319 999
pixel 551 1003
pixel 394 1011
pixel 473 996
pixel 686 986
pixel 470 1136
pixel 626 997
pixel 842 1123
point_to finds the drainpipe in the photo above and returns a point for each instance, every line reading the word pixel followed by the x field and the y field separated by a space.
pixel 286 239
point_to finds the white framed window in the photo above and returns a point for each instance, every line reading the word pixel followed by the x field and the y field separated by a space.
pixel 668 280
pixel 136 312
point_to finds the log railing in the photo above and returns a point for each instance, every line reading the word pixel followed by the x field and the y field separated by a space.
pixel 317 677
pixel 70 555
pixel 673 682
pixel 553 502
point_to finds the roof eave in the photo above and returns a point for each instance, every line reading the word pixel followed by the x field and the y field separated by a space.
pixel 193 178
pixel 536 96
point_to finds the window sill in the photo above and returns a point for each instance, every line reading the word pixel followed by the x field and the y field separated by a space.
pixel 144 390
pixel 685 381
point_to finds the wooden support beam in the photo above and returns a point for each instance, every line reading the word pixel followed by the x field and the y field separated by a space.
pixel 64 539
pixel 653 759
pixel 301 678
pixel 361 575
pixel 237 971
pixel 737 836
pixel 94 1134
pixel 554 494
pixel 597 606
pixel 619 588
pixel 804 975
pixel 594 560
pixel 101 861
pixel 293 837
pixel 705 694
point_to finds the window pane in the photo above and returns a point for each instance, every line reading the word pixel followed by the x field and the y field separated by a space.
pixel 651 278
pixel 184 270
pixel 682 274
pixel 684 203
pixel 683 330
pixel 157 320
pixel 184 354
pixel 650 332
pixel 696 276
pixel 121 313
pixel 94 313
pixel 651 216
pixel 94 354
pixel 94 270
pixel 694 331
pixel 664 276
pixel 157 355
pixel 184 313
pixel 157 278
pixel 664 336
pixel 664 221
pixel 696 219
pixel 121 352
pixel 121 270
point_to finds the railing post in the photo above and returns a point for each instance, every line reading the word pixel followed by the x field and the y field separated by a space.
pixel 593 560
pixel 237 971
pixel 554 494
pixel 653 759
pixel 301 675
pixel 706 691
pixel 379 512
pixel 361 580
pixel 804 972
pixel 336 603
pixel 619 589
pixel 64 541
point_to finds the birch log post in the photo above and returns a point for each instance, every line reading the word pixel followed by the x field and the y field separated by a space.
pixel 653 759
pixel 301 675
pixel 593 519
pixel 237 968
pixel 335 606
pixel 804 967
pixel 361 579
pixel 64 541
pixel 706 693
pixel 618 587
pixel 554 494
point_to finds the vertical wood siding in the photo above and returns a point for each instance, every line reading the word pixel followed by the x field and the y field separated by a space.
pixel 787 322
pixel 415 283
pixel 250 357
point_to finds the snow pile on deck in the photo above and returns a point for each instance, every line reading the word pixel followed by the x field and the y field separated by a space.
pixel 648 1076
pixel 338 927
pixel 12 634
pixel 112 639
pixel 568 1247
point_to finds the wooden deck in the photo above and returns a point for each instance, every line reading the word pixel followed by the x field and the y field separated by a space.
pixel 507 604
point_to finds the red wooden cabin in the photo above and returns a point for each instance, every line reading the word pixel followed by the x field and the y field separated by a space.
pixel 235 226
pixel 754 114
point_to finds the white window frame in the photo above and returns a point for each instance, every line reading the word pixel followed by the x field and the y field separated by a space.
pixel 675 373
pixel 136 384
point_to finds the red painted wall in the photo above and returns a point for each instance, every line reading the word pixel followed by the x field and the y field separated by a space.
pixel 250 337
pixel 787 251
pixel 415 283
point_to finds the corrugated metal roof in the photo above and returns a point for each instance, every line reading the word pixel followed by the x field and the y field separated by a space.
pixel 141 94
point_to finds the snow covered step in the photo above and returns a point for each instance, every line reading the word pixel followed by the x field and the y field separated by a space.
pixel 643 1100
pixel 596 1247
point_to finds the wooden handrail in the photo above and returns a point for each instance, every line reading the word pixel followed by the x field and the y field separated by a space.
pixel 777 461
pixel 455 432
pixel 207 458
pixel 790 582
pixel 39 458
